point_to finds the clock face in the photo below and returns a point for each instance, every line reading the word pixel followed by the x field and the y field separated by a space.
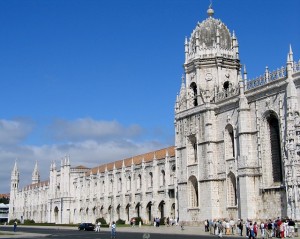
pixel 208 76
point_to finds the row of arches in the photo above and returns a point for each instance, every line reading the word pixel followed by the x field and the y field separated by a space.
pixel 119 212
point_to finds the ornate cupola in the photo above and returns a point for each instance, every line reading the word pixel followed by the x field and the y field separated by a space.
pixel 212 61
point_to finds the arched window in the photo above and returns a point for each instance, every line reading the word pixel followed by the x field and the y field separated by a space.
pixel 103 187
pixel 271 150
pixel 231 190
pixel 161 208
pixel 229 142
pixel 172 175
pixel 192 149
pixel 129 183
pixel 150 180
pixel 275 148
pixel 139 182
pixel 194 89
pixel 193 192
pixel 120 185
pixel 111 186
pixel 162 178
pixel 118 211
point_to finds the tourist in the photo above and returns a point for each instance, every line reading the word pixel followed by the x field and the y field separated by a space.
pixel 269 229
pixel 98 224
pixel 15 225
pixel 286 228
pixel 206 225
pixel 241 227
pixel 291 225
pixel 113 230
pixel 262 229
pixel 232 225
pixel 251 234
pixel 255 229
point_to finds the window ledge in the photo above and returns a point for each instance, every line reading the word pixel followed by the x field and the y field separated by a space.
pixel 193 209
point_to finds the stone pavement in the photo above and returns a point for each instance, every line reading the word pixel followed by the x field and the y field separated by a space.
pixel 144 229
pixel 188 230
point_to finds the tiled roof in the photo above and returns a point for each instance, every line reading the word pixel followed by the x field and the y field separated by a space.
pixel 37 185
pixel 4 195
pixel 81 167
pixel 147 157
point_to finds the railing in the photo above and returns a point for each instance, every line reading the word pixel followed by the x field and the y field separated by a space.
pixel 266 78
pixel 296 66
pixel 271 76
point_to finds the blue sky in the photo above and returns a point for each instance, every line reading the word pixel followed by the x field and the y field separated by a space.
pixel 97 80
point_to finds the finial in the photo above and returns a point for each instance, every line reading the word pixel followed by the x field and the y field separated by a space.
pixel 233 35
pixel 210 11
pixel 245 73
pixel 291 51
pixel 291 58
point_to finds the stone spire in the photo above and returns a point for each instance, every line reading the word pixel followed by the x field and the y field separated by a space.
pixel 35 174
pixel 291 54
pixel 291 88
pixel 15 173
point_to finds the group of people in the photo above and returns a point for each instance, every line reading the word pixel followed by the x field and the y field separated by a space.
pixel 113 228
pixel 279 228
pixel 171 221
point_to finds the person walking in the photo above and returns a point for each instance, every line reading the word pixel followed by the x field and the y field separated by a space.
pixel 113 230
pixel 240 226
pixel 98 225
pixel 15 225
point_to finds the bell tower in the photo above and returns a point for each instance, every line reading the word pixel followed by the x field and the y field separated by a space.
pixel 212 64
pixel 211 76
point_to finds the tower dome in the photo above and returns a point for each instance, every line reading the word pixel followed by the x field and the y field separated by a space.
pixel 207 32
pixel 211 38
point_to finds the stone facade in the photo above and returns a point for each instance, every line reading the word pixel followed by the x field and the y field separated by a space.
pixel 237 140
pixel 141 186
pixel 237 152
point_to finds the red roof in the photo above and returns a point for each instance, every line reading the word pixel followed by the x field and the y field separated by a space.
pixel 147 157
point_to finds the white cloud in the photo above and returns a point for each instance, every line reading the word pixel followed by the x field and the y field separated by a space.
pixel 88 142
pixel 14 131
pixel 87 128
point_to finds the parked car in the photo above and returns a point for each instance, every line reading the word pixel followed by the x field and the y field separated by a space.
pixel 86 227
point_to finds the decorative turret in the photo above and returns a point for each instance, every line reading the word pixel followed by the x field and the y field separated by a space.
pixel 291 88
pixel 15 177
pixel 35 174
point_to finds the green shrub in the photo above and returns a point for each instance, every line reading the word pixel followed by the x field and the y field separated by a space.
pixel 162 221
pixel 138 220
pixel 28 221
pixel 11 222
pixel 120 221
pixel 101 220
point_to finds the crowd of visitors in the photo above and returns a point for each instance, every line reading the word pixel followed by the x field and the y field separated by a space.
pixel 277 228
